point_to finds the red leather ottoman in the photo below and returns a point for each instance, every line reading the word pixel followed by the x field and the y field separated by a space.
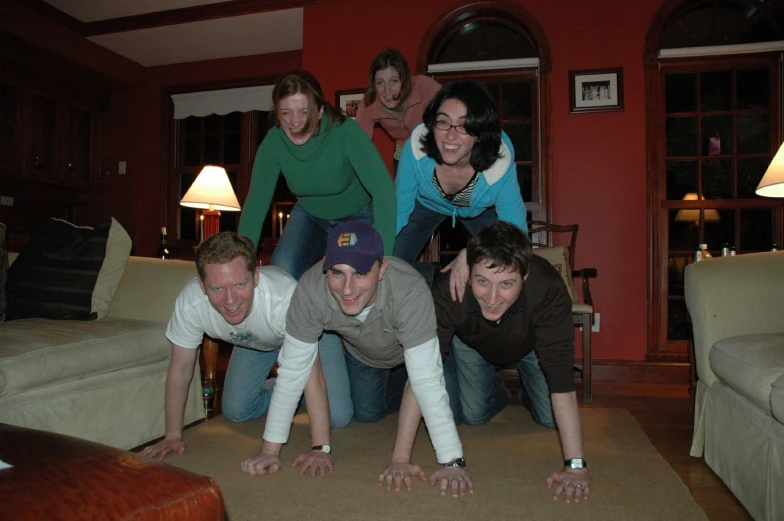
pixel 56 477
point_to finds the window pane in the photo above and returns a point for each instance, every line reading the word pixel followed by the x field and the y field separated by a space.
pixel 44 128
pixel 212 154
pixel 191 155
pixel 81 137
pixel 187 215
pixel 681 92
pixel 677 323
pixel 525 181
pixel 753 89
pixel 753 133
pixel 684 233
pixel 750 172
pixel 262 122
pixel 229 220
pixel 495 90
pixel 517 101
pixel 232 121
pixel 9 125
pixel 717 135
pixel 231 155
pixel 682 136
pixel 675 269
pixel 212 123
pixel 520 135
pixel 716 91
pixel 719 229
pixel 756 230
pixel 681 179
pixel 717 179
pixel 191 125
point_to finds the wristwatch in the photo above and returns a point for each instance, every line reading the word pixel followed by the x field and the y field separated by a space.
pixel 575 463
pixel 323 448
pixel 458 463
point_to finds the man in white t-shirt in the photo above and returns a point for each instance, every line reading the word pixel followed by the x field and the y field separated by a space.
pixel 233 300
pixel 384 311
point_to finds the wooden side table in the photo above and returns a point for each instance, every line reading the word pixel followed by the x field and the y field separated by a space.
pixel 209 384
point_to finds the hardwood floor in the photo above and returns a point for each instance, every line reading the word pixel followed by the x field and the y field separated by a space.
pixel 664 412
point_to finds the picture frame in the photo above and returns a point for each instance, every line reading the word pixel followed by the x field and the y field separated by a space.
pixel 597 90
pixel 348 101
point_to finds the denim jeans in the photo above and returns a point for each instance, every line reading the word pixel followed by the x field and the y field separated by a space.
pixel 477 393
pixel 303 244
pixel 246 395
pixel 421 224
pixel 375 392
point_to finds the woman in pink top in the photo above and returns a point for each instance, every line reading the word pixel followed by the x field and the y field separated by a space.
pixel 394 99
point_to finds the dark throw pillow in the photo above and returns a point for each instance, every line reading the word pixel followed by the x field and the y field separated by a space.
pixel 55 274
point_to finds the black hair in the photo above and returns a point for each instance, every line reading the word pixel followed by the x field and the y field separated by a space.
pixel 503 244
pixel 482 122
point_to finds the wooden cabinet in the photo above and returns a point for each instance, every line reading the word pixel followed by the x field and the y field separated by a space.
pixel 50 119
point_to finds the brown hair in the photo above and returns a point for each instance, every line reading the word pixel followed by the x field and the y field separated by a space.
pixel 503 245
pixel 222 248
pixel 303 82
pixel 383 60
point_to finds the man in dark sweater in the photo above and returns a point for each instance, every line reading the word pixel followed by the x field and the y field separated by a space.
pixel 518 311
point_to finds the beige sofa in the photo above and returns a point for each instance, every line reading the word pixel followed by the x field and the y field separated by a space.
pixel 737 311
pixel 100 380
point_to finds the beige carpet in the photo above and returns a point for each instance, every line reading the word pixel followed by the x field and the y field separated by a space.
pixel 509 460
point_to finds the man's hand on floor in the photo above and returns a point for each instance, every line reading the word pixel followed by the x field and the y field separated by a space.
pixel 315 461
pixel 262 463
pixel 456 478
pixel 164 447
pixel 574 484
pixel 399 473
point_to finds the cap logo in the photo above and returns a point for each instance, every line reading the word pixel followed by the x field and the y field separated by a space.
pixel 347 239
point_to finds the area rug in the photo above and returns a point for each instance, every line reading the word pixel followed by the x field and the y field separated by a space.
pixel 509 460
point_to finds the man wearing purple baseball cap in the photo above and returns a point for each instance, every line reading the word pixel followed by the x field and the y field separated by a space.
pixel 384 311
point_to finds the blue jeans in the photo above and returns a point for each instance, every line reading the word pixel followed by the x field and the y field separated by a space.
pixel 245 395
pixel 477 393
pixel 421 224
pixel 303 244
pixel 375 392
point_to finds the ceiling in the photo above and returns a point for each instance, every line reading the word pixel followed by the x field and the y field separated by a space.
pixel 162 32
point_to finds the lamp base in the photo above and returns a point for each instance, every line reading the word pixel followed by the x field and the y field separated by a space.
pixel 211 223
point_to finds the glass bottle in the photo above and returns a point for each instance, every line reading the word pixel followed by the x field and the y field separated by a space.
pixel 775 247
pixel 725 250
pixel 163 247
pixel 705 253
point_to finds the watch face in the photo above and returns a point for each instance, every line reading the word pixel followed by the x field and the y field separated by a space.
pixel 326 448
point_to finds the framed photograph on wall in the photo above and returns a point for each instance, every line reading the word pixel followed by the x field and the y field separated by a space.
pixel 599 90
pixel 348 101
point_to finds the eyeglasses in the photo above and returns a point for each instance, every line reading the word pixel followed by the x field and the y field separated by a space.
pixel 444 125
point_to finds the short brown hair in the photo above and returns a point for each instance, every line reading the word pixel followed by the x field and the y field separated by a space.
pixel 503 245
pixel 383 60
pixel 303 82
pixel 222 248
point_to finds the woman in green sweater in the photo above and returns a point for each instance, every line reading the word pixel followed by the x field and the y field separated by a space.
pixel 329 164
pixel 337 175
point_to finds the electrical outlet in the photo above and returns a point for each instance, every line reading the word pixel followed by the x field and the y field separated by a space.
pixel 596 321
pixel 121 169
pixel 6 200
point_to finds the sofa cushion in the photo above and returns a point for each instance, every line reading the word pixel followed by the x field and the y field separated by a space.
pixel 750 364
pixel 68 272
pixel 777 399
pixel 39 352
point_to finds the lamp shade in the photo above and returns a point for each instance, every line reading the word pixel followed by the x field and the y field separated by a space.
pixel 693 215
pixel 212 190
pixel 772 183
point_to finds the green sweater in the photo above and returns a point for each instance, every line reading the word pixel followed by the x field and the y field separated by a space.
pixel 334 175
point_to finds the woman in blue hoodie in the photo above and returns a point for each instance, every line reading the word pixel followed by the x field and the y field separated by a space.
pixel 457 164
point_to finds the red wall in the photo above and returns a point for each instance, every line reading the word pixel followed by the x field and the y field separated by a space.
pixel 598 159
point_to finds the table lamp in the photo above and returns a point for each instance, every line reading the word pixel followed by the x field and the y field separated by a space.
pixel 212 193
pixel 693 215
pixel 772 183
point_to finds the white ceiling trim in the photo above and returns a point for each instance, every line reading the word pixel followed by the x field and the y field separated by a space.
pixel 222 102
pixel 96 10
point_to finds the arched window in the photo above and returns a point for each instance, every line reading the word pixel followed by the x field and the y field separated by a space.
pixel 714 118
pixel 504 47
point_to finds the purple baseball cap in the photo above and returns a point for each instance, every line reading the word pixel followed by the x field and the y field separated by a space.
pixel 355 243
